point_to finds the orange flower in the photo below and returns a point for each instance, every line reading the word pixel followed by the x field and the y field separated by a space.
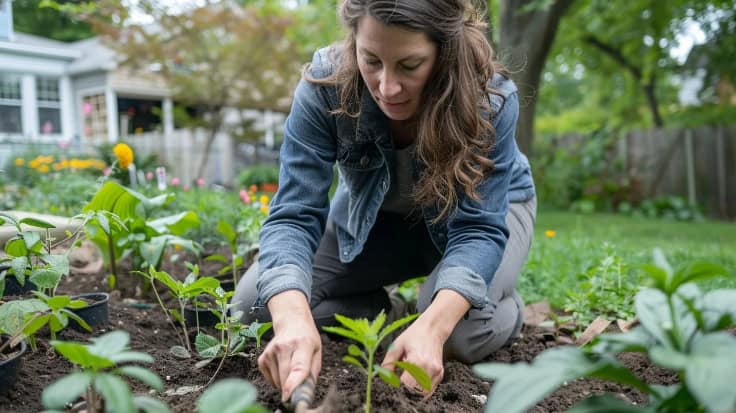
pixel 124 154
pixel 549 233
pixel 20 161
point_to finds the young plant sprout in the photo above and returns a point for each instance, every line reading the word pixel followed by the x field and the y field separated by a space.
pixel 370 335
pixel 100 378
pixel 681 330
pixel 189 289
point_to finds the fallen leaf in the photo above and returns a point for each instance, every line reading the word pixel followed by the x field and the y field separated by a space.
pixel 598 326
pixel 535 314
pixel 625 325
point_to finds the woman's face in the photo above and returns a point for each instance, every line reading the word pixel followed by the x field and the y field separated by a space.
pixel 395 64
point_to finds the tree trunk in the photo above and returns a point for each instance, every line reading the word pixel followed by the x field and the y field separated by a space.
pixel 652 102
pixel 208 146
pixel 525 41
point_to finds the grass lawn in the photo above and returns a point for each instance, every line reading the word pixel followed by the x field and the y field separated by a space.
pixel 573 258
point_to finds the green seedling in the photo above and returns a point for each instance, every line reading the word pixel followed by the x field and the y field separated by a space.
pixel 233 333
pixel 236 258
pixel 35 313
pixel 105 228
pixel 189 289
pixel 100 378
pixel 370 335
pixel 680 329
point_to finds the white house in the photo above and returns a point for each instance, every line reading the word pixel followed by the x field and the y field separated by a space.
pixel 55 91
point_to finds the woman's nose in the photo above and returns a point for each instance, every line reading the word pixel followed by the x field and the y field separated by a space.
pixel 389 85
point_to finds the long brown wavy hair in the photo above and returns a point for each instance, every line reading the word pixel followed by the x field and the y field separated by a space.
pixel 453 137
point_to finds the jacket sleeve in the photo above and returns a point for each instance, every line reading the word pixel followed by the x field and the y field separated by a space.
pixel 298 212
pixel 477 232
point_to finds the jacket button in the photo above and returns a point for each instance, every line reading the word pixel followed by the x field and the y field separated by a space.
pixel 364 161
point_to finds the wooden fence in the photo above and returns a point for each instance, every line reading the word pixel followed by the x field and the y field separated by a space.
pixel 698 164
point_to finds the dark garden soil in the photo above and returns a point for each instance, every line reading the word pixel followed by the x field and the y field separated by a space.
pixel 460 391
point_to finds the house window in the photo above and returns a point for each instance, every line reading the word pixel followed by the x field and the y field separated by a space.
pixel 49 105
pixel 95 117
pixel 10 104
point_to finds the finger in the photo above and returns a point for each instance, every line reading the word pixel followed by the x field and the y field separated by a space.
pixel 265 366
pixel 299 369
pixel 316 364
pixel 394 354
pixel 284 354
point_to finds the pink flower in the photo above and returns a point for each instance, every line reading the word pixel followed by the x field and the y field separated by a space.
pixel 200 181
pixel 175 181
pixel 149 175
pixel 244 196
pixel 185 188
pixel 106 171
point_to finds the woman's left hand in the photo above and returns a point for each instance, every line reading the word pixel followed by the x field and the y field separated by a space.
pixel 420 345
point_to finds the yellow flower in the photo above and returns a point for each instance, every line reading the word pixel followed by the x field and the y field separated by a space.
pixel 263 200
pixel 549 233
pixel 264 209
pixel 124 154
pixel 43 169
pixel 34 164
pixel 20 161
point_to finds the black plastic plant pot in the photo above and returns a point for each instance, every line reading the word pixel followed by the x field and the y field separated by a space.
pixel 10 363
pixel 96 314
pixel 13 287
pixel 206 317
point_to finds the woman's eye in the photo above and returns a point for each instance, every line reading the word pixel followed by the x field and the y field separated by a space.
pixel 373 62
pixel 410 68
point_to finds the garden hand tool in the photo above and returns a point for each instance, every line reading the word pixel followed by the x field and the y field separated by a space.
pixel 303 396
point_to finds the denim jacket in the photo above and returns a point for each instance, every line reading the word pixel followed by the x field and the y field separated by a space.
pixel 471 240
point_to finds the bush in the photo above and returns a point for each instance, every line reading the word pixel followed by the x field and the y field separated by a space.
pixel 257 175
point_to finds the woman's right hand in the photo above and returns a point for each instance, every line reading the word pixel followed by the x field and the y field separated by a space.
pixel 296 349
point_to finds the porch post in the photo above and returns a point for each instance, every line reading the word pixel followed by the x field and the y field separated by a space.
pixel 111 105
pixel 29 107
pixel 168 113
pixel 67 107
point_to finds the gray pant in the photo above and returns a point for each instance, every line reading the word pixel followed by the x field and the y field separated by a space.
pixel 397 250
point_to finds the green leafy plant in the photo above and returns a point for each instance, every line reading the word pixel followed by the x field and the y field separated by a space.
pixel 606 289
pixel 100 378
pixel 257 175
pixel 370 335
pixel 230 395
pixel 236 259
pixel 233 333
pixel 26 255
pixel 681 329
pixel 144 239
pixel 184 292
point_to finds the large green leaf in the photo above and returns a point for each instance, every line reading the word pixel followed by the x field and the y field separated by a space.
pixel 35 222
pixel 147 404
pixel 57 262
pixel 153 250
pixel 16 247
pixel 716 305
pixel 110 343
pixel 115 198
pixel 13 313
pixel 653 311
pixel 227 396
pixel 708 369
pixel 227 231
pixel 65 390
pixel 80 355
pixel 143 374
pixel 45 278
pixel 608 404
pixel 115 392
pixel 636 339
pixel 32 240
pixel 417 372
pixel 520 386
pixel 175 224
pixel 206 345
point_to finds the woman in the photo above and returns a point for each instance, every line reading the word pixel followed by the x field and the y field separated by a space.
pixel 421 125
